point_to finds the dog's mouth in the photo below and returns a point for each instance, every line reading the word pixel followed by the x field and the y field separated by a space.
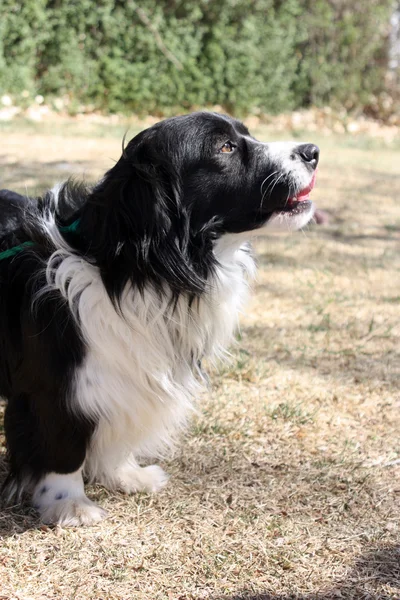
pixel 300 202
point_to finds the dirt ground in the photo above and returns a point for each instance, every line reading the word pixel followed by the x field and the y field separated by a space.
pixel 287 485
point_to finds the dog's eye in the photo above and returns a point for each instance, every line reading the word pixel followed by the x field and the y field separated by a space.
pixel 228 147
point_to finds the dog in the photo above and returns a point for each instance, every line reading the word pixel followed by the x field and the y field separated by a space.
pixel 111 296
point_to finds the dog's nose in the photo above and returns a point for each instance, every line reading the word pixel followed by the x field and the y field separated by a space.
pixel 309 153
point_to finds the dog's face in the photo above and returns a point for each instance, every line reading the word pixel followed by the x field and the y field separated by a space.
pixel 220 173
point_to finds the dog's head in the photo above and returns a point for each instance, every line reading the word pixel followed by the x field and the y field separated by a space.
pixel 229 177
pixel 188 180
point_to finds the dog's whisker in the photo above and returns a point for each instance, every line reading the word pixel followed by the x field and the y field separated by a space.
pixel 277 181
pixel 267 191
pixel 266 179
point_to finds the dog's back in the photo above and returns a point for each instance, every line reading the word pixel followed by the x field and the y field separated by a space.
pixel 12 208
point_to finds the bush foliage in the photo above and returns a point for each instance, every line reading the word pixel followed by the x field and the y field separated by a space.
pixel 156 56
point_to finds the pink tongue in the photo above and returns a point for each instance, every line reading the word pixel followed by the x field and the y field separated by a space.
pixel 303 195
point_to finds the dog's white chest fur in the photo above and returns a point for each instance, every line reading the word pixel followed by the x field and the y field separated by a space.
pixel 141 370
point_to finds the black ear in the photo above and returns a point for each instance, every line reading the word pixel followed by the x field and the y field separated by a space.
pixel 139 231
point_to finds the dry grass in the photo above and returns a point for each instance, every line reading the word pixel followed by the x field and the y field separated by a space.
pixel 287 485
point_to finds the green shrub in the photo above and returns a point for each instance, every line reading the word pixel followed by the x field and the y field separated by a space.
pixel 343 56
pixel 161 56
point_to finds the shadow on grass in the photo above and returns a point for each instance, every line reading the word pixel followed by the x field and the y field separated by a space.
pixel 389 232
pixel 379 566
pixel 354 360
pixel 339 259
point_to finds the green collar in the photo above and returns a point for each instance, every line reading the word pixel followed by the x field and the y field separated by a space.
pixel 72 228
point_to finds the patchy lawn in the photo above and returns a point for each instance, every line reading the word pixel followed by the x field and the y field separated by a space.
pixel 288 483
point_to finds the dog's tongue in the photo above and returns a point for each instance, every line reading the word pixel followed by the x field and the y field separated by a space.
pixel 303 195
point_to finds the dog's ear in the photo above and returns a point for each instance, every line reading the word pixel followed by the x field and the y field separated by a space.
pixel 139 229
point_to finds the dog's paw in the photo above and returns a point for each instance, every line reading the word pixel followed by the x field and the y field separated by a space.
pixel 74 512
pixel 60 499
pixel 131 479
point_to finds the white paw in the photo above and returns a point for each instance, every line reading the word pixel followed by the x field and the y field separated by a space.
pixel 132 479
pixel 74 512
pixel 60 500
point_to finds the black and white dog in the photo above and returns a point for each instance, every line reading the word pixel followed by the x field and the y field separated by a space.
pixel 111 296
